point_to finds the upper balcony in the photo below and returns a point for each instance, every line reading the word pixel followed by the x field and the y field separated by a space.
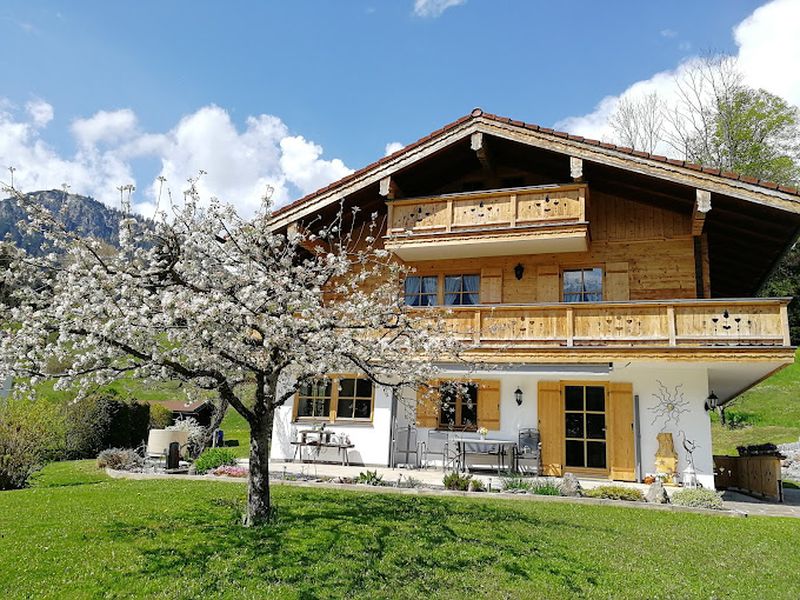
pixel 529 220
pixel 693 327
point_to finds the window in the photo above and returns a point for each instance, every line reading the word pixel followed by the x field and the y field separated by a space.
pixel 585 285
pixel 421 291
pixel 459 406
pixel 314 399
pixel 461 290
pixel 355 399
pixel 585 426
pixel 336 397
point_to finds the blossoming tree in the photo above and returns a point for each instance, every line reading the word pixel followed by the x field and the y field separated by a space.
pixel 221 303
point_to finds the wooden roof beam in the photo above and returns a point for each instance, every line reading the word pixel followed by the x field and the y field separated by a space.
pixel 702 205
pixel 576 169
pixel 389 189
pixel 478 144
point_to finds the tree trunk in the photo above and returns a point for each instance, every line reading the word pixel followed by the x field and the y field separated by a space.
pixel 216 420
pixel 722 418
pixel 259 506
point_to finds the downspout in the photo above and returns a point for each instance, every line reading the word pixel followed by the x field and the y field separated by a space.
pixel 637 438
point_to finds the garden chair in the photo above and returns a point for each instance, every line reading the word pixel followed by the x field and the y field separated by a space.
pixel 406 445
pixel 438 444
pixel 528 451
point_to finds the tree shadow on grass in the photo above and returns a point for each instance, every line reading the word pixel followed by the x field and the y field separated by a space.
pixel 339 544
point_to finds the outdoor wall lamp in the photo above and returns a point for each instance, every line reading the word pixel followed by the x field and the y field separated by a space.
pixel 519 270
pixel 518 396
pixel 712 401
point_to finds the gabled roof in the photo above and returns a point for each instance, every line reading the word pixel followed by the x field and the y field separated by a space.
pixel 679 171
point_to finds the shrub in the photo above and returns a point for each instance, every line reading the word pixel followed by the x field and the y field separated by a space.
pixel 515 483
pixel 477 485
pixel 409 482
pixel 369 478
pixel 120 459
pixel 30 434
pixel 102 421
pixel 211 458
pixel 698 498
pixel 160 416
pixel 457 481
pixel 197 435
pixel 616 492
pixel 544 487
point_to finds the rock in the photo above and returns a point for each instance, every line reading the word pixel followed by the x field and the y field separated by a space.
pixel 570 486
pixel 656 494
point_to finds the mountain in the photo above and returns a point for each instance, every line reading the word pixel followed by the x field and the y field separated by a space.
pixel 81 214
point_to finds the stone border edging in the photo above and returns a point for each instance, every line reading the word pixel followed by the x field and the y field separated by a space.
pixel 435 492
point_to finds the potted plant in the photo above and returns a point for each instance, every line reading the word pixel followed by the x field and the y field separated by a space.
pixel 483 432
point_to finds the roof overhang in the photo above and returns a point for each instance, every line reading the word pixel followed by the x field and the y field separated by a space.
pixel 675 171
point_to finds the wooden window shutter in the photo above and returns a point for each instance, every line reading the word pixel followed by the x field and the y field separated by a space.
pixel 428 405
pixel 617 282
pixel 491 285
pixel 547 284
pixel 622 454
pixel 489 404
pixel 551 427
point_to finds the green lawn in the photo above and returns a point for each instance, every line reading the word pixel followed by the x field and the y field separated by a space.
pixel 79 534
pixel 772 412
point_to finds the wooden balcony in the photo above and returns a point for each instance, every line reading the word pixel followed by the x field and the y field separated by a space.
pixel 678 324
pixel 530 220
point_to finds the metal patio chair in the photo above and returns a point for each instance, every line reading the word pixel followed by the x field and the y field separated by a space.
pixel 528 449
pixel 438 444
pixel 406 445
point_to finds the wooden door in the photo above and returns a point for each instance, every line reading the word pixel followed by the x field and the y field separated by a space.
pixel 551 427
pixel 622 453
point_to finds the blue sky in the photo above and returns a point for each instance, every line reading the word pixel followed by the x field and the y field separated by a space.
pixel 340 80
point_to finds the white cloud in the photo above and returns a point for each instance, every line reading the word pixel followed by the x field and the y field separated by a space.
pixel 668 33
pixel 240 164
pixel 434 8
pixel 393 147
pixel 105 126
pixel 768 47
pixel 40 111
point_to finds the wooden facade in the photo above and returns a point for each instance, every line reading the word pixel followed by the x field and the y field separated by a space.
pixel 676 255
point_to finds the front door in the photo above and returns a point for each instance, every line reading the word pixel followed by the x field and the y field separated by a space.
pixel 585 447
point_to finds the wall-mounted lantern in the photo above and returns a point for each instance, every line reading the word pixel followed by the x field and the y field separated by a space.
pixel 519 270
pixel 518 396
pixel 712 401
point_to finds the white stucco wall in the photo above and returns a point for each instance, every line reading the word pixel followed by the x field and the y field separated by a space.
pixel 372 440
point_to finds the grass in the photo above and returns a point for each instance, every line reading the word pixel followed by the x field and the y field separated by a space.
pixel 771 411
pixel 78 534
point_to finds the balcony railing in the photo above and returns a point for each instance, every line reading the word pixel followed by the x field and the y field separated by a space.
pixel 518 220
pixel 676 323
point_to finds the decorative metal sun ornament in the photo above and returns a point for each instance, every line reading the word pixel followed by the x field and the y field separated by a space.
pixel 670 405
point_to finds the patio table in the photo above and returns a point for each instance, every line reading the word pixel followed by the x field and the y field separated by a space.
pixel 485 446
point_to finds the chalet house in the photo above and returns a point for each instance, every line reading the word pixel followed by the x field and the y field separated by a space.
pixel 613 291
